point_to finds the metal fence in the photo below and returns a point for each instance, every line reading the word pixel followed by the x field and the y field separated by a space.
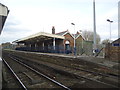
pixel 86 48
pixel 46 49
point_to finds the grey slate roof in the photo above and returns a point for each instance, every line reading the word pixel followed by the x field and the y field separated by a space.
pixel 61 33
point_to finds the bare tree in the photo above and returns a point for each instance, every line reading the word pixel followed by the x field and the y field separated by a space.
pixel 88 35
pixel 106 41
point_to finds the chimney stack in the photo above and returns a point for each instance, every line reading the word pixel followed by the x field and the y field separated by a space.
pixel 53 30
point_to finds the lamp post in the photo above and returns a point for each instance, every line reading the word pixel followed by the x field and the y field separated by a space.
pixel 110 27
pixel 82 39
pixel 74 40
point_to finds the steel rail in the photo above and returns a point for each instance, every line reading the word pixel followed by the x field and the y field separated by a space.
pixel 97 73
pixel 15 74
pixel 54 81
pixel 98 81
pixel 101 65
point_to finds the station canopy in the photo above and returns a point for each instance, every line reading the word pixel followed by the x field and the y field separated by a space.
pixel 41 36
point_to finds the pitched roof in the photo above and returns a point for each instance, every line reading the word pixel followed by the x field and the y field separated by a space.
pixel 77 35
pixel 65 32
pixel 116 41
pixel 62 33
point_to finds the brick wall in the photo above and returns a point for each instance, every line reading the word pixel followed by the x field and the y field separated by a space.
pixel 112 52
pixel 70 39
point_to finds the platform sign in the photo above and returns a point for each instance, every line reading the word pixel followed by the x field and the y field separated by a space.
pixel 116 44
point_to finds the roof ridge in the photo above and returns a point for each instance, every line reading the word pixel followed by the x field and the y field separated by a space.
pixel 62 32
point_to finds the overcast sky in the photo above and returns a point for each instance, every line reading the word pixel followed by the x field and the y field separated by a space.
pixel 27 17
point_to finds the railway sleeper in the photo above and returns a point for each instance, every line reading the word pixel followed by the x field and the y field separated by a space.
pixel 33 81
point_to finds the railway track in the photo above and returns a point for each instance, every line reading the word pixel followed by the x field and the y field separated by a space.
pixel 30 78
pixel 69 62
pixel 77 73
pixel 14 74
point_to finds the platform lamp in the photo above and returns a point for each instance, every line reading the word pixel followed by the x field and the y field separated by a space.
pixel 74 40
pixel 82 39
pixel 110 27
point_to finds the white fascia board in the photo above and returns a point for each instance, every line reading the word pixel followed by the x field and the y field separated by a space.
pixel 80 35
pixel 69 33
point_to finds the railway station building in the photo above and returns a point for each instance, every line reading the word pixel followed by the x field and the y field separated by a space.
pixel 62 42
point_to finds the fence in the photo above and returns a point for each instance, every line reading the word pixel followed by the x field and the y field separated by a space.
pixel 84 47
pixel 46 49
